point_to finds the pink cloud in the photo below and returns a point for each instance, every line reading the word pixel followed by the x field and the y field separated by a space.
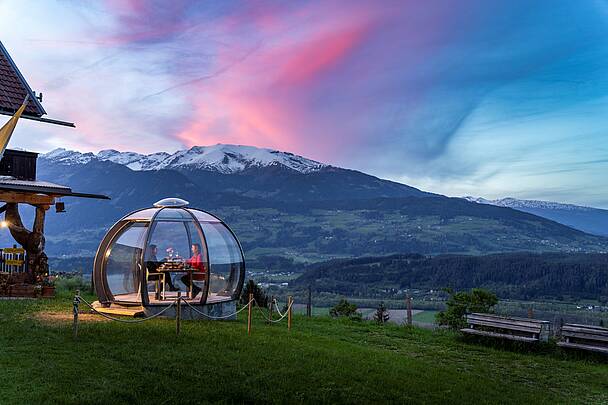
pixel 320 54
pixel 263 100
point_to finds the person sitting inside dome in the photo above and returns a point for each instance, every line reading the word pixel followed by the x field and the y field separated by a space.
pixel 197 263
pixel 153 264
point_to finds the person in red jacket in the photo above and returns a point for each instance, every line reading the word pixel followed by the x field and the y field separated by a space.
pixel 200 269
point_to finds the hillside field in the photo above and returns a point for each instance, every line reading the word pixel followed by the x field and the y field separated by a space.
pixel 319 360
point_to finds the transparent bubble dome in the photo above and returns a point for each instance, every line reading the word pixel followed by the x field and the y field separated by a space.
pixel 151 255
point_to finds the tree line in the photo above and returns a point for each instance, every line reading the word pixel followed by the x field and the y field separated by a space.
pixel 511 275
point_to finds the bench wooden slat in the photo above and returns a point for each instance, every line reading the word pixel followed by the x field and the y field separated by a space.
pixel 503 325
pixel 510 318
pixel 585 336
pixel 498 335
pixel 584 347
pixel 509 321
pixel 579 325
pixel 590 331
pixel 506 320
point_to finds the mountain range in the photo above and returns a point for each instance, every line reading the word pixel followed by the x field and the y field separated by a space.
pixel 586 219
pixel 284 205
pixel 220 158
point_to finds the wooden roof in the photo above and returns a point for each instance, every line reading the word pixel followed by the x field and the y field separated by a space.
pixel 13 88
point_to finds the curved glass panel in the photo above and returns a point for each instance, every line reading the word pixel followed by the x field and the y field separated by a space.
pixel 175 260
pixel 173 214
pixel 171 202
pixel 226 261
pixel 203 216
pixel 143 214
pixel 122 263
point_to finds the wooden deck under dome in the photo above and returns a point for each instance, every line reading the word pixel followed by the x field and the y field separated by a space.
pixel 135 298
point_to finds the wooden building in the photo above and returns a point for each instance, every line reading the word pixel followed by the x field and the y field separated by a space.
pixel 19 185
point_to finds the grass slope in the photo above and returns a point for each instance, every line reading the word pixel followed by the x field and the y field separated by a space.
pixel 320 360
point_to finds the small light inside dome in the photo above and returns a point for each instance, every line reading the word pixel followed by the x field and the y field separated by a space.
pixel 4 224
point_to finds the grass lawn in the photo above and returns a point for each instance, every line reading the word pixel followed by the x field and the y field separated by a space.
pixel 320 360
pixel 425 316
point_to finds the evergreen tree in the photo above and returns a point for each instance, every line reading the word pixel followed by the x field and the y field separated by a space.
pixel 382 316
pixel 345 309
pixel 260 297
pixel 461 303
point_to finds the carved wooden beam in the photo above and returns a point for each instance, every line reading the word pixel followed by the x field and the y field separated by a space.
pixel 27 198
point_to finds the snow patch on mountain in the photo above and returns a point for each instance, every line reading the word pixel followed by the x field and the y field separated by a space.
pixel 220 158
pixel 515 203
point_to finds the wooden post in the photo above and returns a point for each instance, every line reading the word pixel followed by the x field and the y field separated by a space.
pixel 289 305
pixel 75 310
pixel 249 314
pixel 270 310
pixel 408 304
pixel 178 313
pixel 530 313
pixel 309 303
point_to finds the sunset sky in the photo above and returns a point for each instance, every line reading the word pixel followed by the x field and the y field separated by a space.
pixel 485 98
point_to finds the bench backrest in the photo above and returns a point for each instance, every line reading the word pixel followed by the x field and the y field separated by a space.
pixel 587 332
pixel 509 323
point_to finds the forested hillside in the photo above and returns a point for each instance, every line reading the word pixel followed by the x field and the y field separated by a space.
pixel 514 275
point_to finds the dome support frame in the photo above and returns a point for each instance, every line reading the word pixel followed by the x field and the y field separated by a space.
pixel 100 275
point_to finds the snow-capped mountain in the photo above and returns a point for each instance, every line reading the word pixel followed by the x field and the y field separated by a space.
pixel 217 158
pixel 587 219
pixel 529 204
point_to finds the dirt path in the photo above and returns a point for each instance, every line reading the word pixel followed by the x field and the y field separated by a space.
pixel 67 317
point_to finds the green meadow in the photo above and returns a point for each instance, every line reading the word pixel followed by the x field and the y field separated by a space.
pixel 319 360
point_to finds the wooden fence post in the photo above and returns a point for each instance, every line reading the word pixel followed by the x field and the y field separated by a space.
pixel 270 311
pixel 178 313
pixel 75 311
pixel 309 303
pixel 408 303
pixel 249 314
pixel 530 313
pixel 289 305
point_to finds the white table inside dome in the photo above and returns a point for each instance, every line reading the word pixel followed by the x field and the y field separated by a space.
pixel 178 267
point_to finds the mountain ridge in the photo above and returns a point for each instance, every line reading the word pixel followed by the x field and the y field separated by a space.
pixel 279 211
pixel 222 158
pixel 587 219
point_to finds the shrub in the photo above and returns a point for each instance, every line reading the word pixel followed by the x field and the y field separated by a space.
pixel 461 303
pixel 69 284
pixel 260 297
pixel 381 316
pixel 345 309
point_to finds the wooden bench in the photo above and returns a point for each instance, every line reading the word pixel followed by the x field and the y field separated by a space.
pixel 584 337
pixel 519 329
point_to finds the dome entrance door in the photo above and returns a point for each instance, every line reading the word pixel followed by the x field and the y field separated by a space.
pixel 175 261
pixel 123 263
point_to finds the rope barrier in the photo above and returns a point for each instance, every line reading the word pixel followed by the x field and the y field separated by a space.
pixel 217 317
pixel 274 320
pixel 276 305
pixel 284 315
pixel 78 299
pixel 126 320
pixel 262 312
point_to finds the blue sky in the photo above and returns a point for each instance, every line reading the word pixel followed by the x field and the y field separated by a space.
pixel 486 98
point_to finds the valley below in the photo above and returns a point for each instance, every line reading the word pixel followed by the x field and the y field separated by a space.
pixel 347 233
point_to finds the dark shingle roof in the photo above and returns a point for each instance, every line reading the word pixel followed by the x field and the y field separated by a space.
pixel 8 183
pixel 13 88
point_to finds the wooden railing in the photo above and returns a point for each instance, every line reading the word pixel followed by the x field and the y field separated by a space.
pixel 13 260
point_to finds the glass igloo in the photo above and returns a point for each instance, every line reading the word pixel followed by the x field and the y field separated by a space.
pixel 152 254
